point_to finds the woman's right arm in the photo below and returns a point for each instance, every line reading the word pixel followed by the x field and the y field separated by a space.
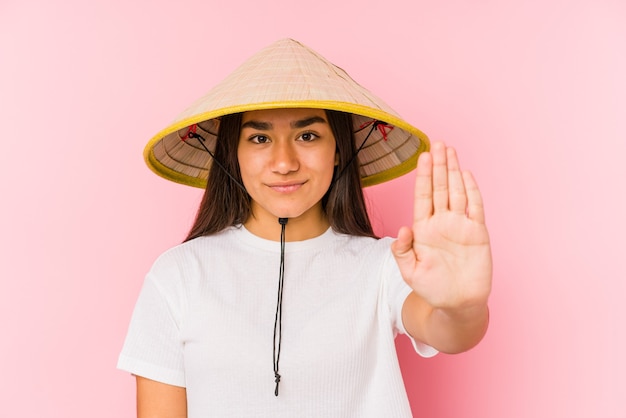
pixel 160 400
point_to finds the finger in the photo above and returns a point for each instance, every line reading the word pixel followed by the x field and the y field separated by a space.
pixel 440 177
pixel 402 250
pixel 423 204
pixel 457 195
pixel 475 207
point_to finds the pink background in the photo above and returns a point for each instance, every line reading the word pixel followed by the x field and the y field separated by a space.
pixel 532 94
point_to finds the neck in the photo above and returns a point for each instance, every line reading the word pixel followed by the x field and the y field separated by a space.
pixel 309 225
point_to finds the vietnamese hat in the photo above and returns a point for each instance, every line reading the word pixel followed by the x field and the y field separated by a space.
pixel 287 74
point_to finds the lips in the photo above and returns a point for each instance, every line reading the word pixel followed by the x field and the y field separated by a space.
pixel 285 187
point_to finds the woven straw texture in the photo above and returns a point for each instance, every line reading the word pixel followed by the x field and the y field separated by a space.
pixel 287 74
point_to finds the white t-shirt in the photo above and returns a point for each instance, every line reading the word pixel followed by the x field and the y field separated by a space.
pixel 205 320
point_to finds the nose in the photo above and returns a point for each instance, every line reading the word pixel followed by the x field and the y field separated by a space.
pixel 284 157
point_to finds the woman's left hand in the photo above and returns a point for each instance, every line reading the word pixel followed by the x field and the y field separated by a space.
pixel 445 256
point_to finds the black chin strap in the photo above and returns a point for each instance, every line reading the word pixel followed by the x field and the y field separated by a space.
pixel 375 125
pixel 201 140
pixel 278 318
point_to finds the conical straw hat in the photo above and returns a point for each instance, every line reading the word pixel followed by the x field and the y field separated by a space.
pixel 287 74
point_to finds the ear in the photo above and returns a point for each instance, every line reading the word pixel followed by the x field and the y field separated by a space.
pixel 336 158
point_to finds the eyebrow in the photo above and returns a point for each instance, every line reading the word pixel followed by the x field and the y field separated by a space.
pixel 266 126
pixel 308 121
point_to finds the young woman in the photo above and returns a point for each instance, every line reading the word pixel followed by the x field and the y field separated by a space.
pixel 282 262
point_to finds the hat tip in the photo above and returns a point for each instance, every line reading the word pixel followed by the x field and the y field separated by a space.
pixel 288 41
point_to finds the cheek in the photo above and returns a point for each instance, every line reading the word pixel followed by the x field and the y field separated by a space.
pixel 247 165
pixel 325 166
pixel 245 174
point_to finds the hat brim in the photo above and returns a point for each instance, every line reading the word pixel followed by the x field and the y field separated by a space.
pixel 196 175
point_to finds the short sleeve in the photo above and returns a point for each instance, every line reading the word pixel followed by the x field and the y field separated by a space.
pixel 153 347
pixel 397 292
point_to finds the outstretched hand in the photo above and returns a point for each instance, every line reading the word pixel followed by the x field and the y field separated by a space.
pixel 445 256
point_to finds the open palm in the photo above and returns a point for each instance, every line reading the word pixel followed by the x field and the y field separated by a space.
pixel 445 256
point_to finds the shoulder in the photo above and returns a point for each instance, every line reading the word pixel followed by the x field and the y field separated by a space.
pixel 363 241
pixel 190 256
pixel 363 246
pixel 374 255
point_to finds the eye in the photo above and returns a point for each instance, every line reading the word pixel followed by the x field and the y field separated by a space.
pixel 308 137
pixel 259 139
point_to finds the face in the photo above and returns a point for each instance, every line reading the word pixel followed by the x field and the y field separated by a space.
pixel 286 158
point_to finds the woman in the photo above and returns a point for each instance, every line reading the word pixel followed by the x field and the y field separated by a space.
pixel 282 249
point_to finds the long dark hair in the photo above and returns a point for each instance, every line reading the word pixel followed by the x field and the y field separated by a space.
pixel 225 203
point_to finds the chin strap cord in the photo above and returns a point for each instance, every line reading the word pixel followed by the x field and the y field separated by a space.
pixel 193 134
pixel 278 319
pixel 375 124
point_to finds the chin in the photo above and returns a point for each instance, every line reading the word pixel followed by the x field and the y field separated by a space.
pixel 288 214
pixel 291 210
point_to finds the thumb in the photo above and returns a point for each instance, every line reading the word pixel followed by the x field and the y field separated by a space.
pixel 402 250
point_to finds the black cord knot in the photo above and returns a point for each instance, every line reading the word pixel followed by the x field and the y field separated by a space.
pixel 277 381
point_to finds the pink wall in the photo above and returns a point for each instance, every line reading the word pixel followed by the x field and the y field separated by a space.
pixel 532 94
